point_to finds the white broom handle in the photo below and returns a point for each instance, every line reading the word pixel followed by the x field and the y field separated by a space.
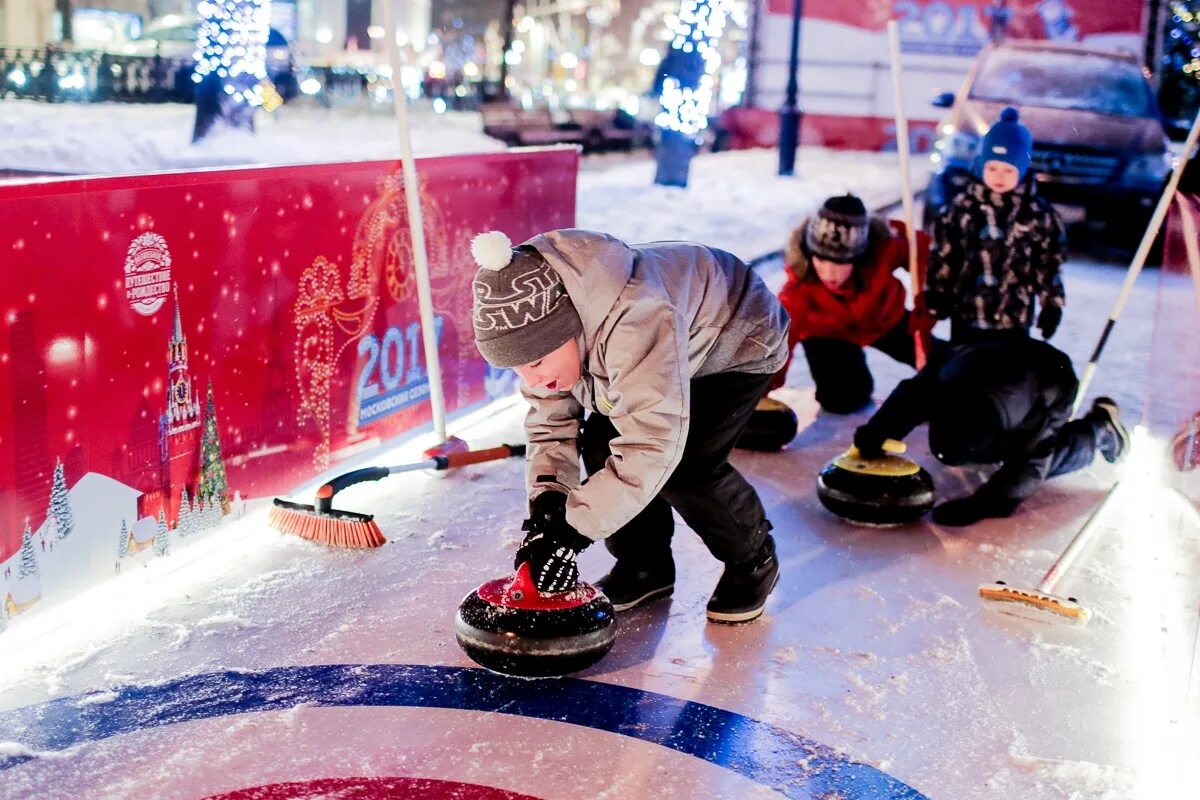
pixel 1191 246
pixel 1139 259
pixel 416 227
pixel 1064 562
pixel 893 31
pixel 915 279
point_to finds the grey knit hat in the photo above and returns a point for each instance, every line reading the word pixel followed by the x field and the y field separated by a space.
pixel 840 231
pixel 522 311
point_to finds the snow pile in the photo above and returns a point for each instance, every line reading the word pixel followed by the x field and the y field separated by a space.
pixel 115 138
pixel 734 200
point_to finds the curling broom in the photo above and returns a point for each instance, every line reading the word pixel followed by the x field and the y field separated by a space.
pixel 1041 603
pixel 323 523
pixel 916 266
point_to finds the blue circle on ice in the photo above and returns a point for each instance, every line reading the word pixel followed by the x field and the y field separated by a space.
pixel 790 764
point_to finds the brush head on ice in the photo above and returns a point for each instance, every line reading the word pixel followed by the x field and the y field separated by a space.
pixel 507 626
pixel 879 492
pixel 492 250
pixel 1032 604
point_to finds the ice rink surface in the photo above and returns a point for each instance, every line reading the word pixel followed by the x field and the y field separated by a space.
pixel 254 659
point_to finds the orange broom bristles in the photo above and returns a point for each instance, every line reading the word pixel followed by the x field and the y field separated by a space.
pixel 336 528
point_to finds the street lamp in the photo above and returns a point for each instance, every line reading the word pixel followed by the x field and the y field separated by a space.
pixel 789 115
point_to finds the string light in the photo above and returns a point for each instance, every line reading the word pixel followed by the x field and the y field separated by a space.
pixel 687 88
pixel 231 41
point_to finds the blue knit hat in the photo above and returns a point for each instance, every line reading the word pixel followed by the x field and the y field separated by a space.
pixel 1008 141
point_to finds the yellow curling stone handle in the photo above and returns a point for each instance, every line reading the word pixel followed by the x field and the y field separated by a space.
pixel 890 465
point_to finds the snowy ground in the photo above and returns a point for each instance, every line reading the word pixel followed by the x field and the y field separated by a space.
pixel 114 138
pixel 874 644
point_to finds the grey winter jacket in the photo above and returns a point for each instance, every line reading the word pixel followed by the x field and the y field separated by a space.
pixel 654 317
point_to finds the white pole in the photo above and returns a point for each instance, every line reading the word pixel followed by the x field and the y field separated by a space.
pixel 1064 562
pixel 416 226
pixel 916 280
pixel 1139 259
pixel 1190 242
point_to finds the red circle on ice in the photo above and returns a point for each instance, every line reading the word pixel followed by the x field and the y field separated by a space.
pixel 377 788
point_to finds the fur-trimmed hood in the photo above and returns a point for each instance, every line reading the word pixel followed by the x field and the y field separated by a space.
pixel 796 256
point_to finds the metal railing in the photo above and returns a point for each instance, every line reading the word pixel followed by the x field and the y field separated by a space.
pixel 54 75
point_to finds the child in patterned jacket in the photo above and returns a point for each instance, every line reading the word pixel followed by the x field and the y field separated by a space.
pixel 998 248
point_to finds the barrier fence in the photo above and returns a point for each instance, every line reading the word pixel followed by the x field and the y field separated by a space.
pixel 171 345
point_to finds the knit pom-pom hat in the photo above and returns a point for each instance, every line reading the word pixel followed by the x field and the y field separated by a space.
pixel 522 311
pixel 1008 141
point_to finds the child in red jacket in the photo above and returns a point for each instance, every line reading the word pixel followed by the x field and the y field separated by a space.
pixel 842 295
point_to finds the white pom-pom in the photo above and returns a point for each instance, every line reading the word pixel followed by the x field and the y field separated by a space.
pixel 492 250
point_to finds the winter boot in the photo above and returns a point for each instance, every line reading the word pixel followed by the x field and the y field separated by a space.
pixel 743 589
pixel 1112 440
pixel 628 585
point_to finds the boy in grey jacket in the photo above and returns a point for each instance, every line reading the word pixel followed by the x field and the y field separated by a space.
pixel 667 347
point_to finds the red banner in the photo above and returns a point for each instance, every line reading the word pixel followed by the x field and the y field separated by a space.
pixel 964 21
pixel 172 343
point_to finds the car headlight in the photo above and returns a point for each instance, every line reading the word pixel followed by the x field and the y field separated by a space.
pixel 957 149
pixel 1150 167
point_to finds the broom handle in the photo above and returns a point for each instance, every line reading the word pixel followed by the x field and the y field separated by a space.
pixel 1188 223
pixel 1139 259
pixel 1064 562
pixel 916 278
pixel 451 460
pixel 416 226
pixel 335 485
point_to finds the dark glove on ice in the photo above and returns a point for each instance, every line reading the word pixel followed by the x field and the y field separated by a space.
pixel 934 304
pixel 868 443
pixel 969 510
pixel 1048 320
pixel 551 544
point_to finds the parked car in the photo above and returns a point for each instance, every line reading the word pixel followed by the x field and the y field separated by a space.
pixel 175 38
pixel 1100 150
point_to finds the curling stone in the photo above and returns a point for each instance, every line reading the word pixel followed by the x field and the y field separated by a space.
pixel 507 626
pixel 772 425
pixel 884 491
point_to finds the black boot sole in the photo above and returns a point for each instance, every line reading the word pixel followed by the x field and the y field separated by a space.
pixel 741 617
pixel 648 597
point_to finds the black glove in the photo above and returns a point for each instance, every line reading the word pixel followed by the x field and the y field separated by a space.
pixel 1048 320
pixel 934 304
pixel 868 443
pixel 551 544
pixel 971 509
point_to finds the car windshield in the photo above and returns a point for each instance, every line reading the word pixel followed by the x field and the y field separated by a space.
pixel 1075 81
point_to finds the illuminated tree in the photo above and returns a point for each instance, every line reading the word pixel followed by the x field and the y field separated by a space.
pixel 231 56
pixel 685 86
pixel 1180 92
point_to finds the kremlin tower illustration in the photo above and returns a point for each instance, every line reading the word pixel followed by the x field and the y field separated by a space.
pixel 180 425
pixel 176 453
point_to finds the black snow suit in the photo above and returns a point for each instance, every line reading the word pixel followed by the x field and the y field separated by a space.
pixel 1005 401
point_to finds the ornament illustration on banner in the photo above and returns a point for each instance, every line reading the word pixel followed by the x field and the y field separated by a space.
pixel 170 468
pixel 60 505
pixel 147 273
pixel 381 261
pixel 214 486
pixel 318 295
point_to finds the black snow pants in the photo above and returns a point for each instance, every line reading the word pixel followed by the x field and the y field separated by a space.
pixel 712 497
pixel 839 367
